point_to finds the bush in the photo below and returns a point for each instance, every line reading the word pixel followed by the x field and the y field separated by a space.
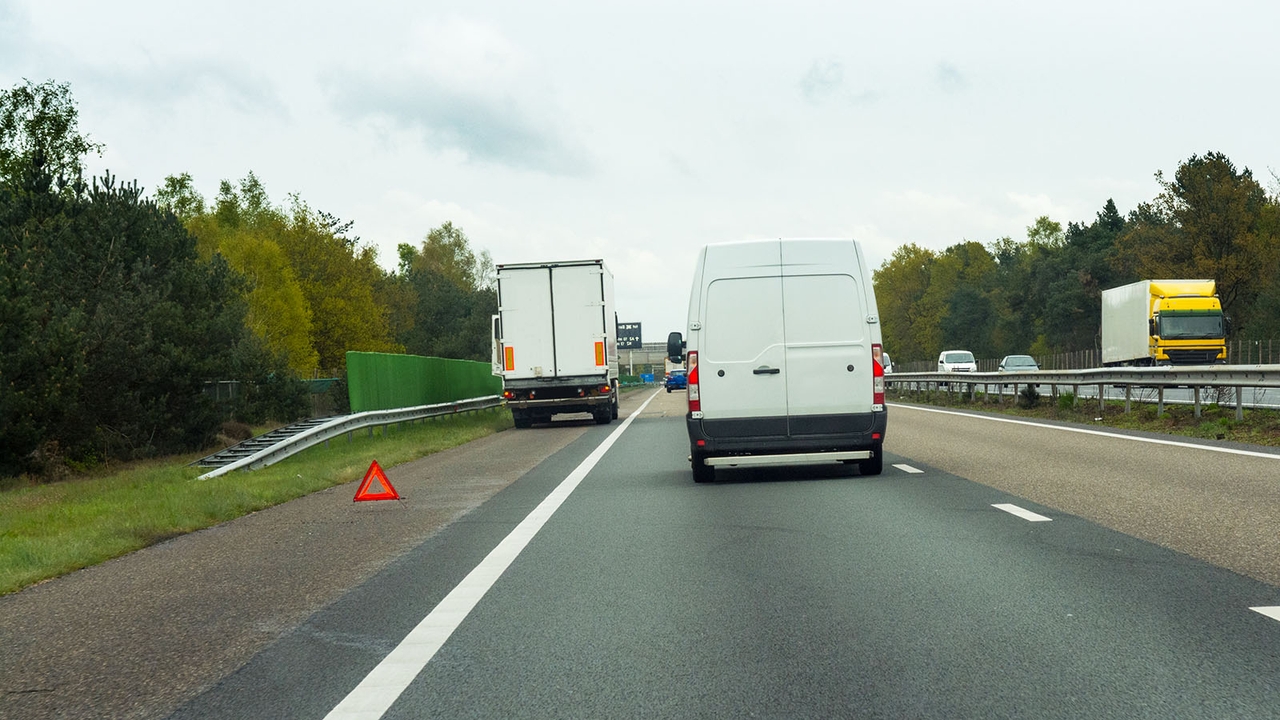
pixel 109 327
pixel 1066 401
pixel 1029 397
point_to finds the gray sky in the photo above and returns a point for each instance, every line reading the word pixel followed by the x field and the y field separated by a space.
pixel 639 132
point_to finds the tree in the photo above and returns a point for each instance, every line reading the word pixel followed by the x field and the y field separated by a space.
pixel 38 129
pixel 339 279
pixel 900 284
pixel 112 325
pixel 179 196
pixel 455 296
pixel 1205 224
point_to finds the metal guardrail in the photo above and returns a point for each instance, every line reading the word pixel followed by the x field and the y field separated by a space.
pixel 349 423
pixel 1195 377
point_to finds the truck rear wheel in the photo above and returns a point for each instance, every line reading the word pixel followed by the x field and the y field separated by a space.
pixel 521 420
pixel 603 417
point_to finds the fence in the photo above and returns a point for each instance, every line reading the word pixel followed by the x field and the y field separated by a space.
pixel 382 381
pixel 1239 352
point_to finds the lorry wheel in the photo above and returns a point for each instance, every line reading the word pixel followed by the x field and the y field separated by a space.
pixel 873 465
pixel 603 417
pixel 614 405
pixel 521 420
pixel 668 391
pixel 702 472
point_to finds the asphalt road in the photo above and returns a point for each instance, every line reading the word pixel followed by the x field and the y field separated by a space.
pixel 793 593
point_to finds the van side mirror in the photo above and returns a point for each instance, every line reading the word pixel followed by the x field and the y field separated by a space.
pixel 675 347
pixel 1226 325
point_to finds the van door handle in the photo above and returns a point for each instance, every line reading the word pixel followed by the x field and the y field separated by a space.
pixel 766 370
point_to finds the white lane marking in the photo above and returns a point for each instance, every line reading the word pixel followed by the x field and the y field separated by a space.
pixel 908 469
pixel 1272 611
pixel 380 688
pixel 1118 436
pixel 1021 512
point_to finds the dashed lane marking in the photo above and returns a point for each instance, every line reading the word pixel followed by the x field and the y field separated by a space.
pixel 1272 611
pixel 1021 512
pixel 908 469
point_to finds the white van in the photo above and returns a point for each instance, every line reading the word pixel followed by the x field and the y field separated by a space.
pixel 783 354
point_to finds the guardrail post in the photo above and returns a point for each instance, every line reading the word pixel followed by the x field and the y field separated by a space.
pixel 1127 390
pixel 1239 403
pixel 1160 402
pixel 1196 391
pixel 973 392
pixel 1102 400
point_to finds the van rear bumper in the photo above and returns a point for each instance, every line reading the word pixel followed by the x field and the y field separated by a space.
pixel 767 436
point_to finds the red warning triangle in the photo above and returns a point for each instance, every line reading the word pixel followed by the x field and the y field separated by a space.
pixel 376 486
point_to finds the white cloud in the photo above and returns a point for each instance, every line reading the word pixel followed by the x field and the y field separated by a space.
pixel 823 79
pixel 462 86
pixel 949 77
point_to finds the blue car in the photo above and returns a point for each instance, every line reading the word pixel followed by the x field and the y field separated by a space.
pixel 677 380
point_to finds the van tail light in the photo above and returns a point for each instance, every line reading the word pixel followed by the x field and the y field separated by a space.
pixel 695 400
pixel 877 375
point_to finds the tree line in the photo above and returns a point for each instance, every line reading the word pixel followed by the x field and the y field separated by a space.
pixel 1043 295
pixel 117 310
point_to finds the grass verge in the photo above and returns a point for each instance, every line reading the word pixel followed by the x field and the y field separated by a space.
pixel 1216 422
pixel 53 529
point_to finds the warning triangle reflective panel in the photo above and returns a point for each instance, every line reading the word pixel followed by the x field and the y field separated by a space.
pixel 376 486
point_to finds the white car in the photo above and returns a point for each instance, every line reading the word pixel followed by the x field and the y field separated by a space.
pixel 886 362
pixel 956 361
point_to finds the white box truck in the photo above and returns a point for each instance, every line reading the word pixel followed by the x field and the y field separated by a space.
pixel 555 340
pixel 1163 322
pixel 783 353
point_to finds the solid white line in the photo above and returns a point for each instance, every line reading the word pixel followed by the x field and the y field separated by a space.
pixel 908 469
pixel 380 688
pixel 1085 431
pixel 1272 611
pixel 1021 512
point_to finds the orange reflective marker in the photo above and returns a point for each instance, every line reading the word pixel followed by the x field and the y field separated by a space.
pixel 383 489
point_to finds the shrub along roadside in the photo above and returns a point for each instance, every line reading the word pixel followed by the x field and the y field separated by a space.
pixel 53 529
pixel 1259 427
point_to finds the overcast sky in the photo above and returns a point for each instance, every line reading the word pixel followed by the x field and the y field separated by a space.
pixel 639 132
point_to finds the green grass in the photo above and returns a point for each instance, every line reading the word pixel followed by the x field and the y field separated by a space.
pixel 48 530
pixel 1259 427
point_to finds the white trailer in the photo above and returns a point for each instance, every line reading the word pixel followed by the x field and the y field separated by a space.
pixel 1126 311
pixel 556 340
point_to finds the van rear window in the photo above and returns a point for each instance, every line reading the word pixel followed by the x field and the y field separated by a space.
pixel 823 309
pixel 743 318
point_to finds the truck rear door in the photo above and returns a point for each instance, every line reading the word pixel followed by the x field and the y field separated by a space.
pixel 525 323
pixel 577 297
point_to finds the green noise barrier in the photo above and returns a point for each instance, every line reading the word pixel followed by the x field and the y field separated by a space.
pixel 383 381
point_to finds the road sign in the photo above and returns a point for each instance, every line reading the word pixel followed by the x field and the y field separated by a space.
pixel 629 336
pixel 376 486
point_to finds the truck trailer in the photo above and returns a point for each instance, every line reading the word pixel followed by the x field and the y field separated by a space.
pixel 1163 322
pixel 555 340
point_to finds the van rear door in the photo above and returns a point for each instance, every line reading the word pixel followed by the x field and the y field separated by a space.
pixel 829 373
pixel 741 358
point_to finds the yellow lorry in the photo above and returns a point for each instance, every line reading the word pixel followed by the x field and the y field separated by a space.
pixel 1163 322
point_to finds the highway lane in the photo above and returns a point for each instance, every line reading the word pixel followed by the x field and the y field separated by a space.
pixel 1196 497
pixel 803 593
